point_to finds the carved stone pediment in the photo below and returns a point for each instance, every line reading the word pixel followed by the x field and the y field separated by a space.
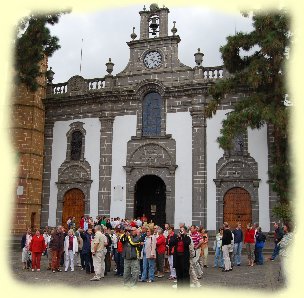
pixel 77 85
pixel 74 171
pixel 236 170
pixel 151 155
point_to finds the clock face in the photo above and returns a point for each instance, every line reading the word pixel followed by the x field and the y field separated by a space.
pixel 152 59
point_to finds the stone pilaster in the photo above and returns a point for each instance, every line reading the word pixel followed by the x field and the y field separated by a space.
pixel 105 168
pixel 48 141
pixel 199 202
pixel 144 24
pixel 163 23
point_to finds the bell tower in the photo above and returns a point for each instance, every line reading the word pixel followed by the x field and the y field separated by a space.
pixel 155 51
pixel 154 22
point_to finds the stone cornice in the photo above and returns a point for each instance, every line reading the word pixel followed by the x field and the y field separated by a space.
pixel 156 40
pixel 124 94
pixel 255 182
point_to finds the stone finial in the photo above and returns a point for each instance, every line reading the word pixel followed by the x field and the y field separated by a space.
pixel 109 66
pixel 174 30
pixel 198 57
pixel 133 35
pixel 144 9
pixel 50 75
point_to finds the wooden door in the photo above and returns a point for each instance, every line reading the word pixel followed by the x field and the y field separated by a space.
pixel 73 205
pixel 237 207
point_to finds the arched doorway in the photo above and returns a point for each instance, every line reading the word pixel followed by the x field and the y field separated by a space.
pixel 150 199
pixel 73 205
pixel 237 207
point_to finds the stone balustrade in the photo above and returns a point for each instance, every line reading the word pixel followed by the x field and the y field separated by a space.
pixel 95 84
pixel 60 88
pixel 215 72
pixel 70 86
pixel 78 85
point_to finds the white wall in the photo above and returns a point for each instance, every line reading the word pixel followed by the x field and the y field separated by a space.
pixel 123 128
pixel 258 149
pixel 214 153
pixel 92 155
pixel 180 126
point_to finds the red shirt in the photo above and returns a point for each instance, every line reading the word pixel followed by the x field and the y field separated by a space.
pixel 37 244
pixel 81 223
pixel 180 246
pixel 161 244
pixel 249 236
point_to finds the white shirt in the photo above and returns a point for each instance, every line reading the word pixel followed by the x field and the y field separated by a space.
pixel 166 232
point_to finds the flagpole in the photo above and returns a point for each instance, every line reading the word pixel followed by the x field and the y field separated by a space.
pixel 81 55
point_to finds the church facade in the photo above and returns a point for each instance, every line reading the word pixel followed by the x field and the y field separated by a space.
pixel 138 143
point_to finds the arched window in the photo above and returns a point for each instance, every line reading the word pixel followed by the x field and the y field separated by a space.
pixel 151 116
pixel 76 145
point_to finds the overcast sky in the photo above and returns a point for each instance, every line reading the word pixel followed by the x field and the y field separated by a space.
pixel 106 32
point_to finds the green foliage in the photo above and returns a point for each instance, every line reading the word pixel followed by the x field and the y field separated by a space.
pixel 261 75
pixel 33 42
pixel 283 211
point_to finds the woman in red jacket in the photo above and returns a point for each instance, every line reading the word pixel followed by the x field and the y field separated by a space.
pixel 160 249
pixel 37 247
pixel 249 241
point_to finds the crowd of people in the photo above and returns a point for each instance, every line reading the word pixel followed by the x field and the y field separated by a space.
pixel 144 252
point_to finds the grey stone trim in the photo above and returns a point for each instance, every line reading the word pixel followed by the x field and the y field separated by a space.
pixel 199 175
pixel 151 156
pixel 237 171
pixel 105 166
pixel 73 174
pixel 76 86
pixel 74 170
pixel 63 187
pixel 143 88
pixel 75 126
pixel 48 142
pixel 134 174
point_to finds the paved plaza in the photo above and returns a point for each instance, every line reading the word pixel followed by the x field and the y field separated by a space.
pixel 264 277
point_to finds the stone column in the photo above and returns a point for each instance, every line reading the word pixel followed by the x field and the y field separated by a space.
pixel 199 200
pixel 48 142
pixel 130 203
pixel 170 206
pixel 105 167
pixel 144 25
pixel 163 22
